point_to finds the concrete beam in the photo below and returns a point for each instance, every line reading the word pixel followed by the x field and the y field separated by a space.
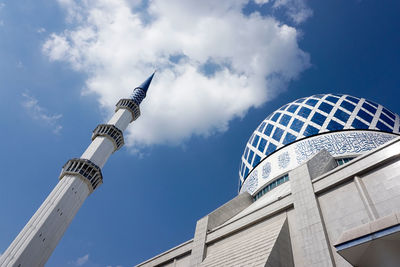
pixel 214 219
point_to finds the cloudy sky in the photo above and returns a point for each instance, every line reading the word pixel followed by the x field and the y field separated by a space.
pixel 222 67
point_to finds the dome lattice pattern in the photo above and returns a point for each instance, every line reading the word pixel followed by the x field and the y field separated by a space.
pixel 311 116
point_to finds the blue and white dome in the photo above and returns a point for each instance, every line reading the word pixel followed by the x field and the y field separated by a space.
pixel 310 117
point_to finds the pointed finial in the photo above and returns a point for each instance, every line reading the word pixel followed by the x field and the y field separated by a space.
pixel 145 85
pixel 139 93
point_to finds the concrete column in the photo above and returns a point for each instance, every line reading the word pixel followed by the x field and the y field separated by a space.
pixel 37 240
pixel 311 231
pixel 199 242
pixel 215 219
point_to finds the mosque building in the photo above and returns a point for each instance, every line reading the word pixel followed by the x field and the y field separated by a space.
pixel 319 185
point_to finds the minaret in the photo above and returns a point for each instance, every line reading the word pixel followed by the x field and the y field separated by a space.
pixel 78 179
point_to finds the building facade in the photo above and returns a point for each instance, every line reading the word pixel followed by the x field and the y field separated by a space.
pixel 319 185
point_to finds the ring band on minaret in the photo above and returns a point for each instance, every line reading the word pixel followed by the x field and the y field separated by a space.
pixel 89 172
pixel 114 134
pixel 130 105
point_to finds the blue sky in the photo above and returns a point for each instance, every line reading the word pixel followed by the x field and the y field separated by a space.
pixel 223 66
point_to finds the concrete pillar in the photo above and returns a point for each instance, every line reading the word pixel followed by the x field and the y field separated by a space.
pixel 199 242
pixel 308 219
pixel 212 220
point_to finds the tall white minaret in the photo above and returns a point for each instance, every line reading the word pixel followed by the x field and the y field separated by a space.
pixel 78 179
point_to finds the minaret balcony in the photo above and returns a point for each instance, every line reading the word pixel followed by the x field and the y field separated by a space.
pixel 130 105
pixel 111 132
pixel 89 172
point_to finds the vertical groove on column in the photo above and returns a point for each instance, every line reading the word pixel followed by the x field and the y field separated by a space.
pixel 366 199
pixel 69 216
pixel 316 249
pixel 19 241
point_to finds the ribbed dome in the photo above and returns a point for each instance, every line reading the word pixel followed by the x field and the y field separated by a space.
pixel 311 116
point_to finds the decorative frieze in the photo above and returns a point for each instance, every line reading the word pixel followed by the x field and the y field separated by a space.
pixel 266 170
pixel 111 132
pixel 251 183
pixel 284 160
pixel 85 169
pixel 341 143
pixel 130 105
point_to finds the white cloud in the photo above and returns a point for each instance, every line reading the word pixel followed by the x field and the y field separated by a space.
pixel 213 63
pixel 82 260
pixel 41 30
pixel 297 10
pixel 38 113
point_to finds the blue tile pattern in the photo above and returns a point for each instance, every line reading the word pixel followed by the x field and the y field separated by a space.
pixel 335 126
pixel 271 148
pixel 138 95
pixel 318 118
pixel 261 127
pixel 369 108
pixel 357 124
pixel 296 125
pixel 310 116
pixel 304 112
pixel 268 129
pixel 277 134
pixel 332 99
pixel 325 107
pixel 276 116
pixel 285 119
pixel 255 140
pixel 256 160
pixel 341 115
pixel 365 116
pixel 289 138
pixel 262 144
pixel 310 130
pixel 383 127
pixel 389 113
pixel 292 108
pixel 387 119
pixel 347 106
pixel 311 102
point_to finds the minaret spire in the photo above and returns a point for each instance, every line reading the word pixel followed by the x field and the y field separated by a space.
pixel 78 179
pixel 145 85
pixel 139 93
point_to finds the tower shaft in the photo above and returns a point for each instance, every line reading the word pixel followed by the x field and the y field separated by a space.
pixel 78 179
